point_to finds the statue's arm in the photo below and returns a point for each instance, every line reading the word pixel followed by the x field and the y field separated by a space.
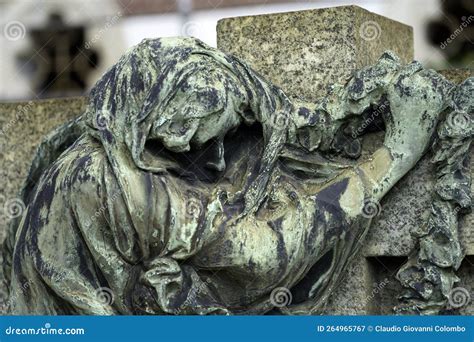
pixel 416 100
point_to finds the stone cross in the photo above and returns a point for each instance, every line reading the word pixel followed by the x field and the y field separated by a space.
pixel 305 52
pixel 59 59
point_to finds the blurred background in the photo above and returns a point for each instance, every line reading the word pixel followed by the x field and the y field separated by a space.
pixel 54 48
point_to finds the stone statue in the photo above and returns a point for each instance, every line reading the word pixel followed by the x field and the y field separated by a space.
pixel 192 186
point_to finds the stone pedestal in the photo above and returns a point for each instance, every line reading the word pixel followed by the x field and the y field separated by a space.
pixel 304 52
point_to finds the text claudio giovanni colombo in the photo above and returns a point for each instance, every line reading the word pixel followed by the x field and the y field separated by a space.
pixel 391 328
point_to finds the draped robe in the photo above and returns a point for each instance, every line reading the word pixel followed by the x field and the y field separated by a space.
pixel 118 223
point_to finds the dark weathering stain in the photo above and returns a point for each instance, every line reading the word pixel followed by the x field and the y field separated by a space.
pixel 211 97
pixel 27 241
pixel 107 136
pixel 43 199
pixel 357 87
pixel 329 219
pixel 34 222
pixel 304 112
pixel 328 216
pixel 81 170
pixel 328 198
pixel 302 289
pixel 276 226
pixel 403 90
pixel 84 257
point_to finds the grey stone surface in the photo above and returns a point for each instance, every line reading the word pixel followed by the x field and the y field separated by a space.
pixel 303 52
pixel 22 127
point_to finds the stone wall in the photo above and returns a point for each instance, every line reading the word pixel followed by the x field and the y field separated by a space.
pixel 22 127
pixel 304 52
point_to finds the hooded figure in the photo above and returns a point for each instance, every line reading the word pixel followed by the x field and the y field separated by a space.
pixel 175 93
pixel 192 186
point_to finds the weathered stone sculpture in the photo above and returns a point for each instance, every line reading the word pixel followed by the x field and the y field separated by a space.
pixel 193 186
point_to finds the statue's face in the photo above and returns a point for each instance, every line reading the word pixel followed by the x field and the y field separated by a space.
pixel 202 109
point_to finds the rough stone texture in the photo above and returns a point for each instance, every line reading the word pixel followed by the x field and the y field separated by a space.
pixel 22 127
pixel 353 294
pixel 303 52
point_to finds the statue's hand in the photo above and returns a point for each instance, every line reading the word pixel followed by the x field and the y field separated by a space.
pixel 416 100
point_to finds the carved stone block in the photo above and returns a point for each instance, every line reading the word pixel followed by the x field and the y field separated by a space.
pixel 303 52
pixel 23 125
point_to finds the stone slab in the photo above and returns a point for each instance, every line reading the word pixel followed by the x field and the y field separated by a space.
pixel 23 125
pixel 304 52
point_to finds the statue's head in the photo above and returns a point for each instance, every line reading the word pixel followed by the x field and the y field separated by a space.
pixel 179 93
pixel 173 90
pixel 202 107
